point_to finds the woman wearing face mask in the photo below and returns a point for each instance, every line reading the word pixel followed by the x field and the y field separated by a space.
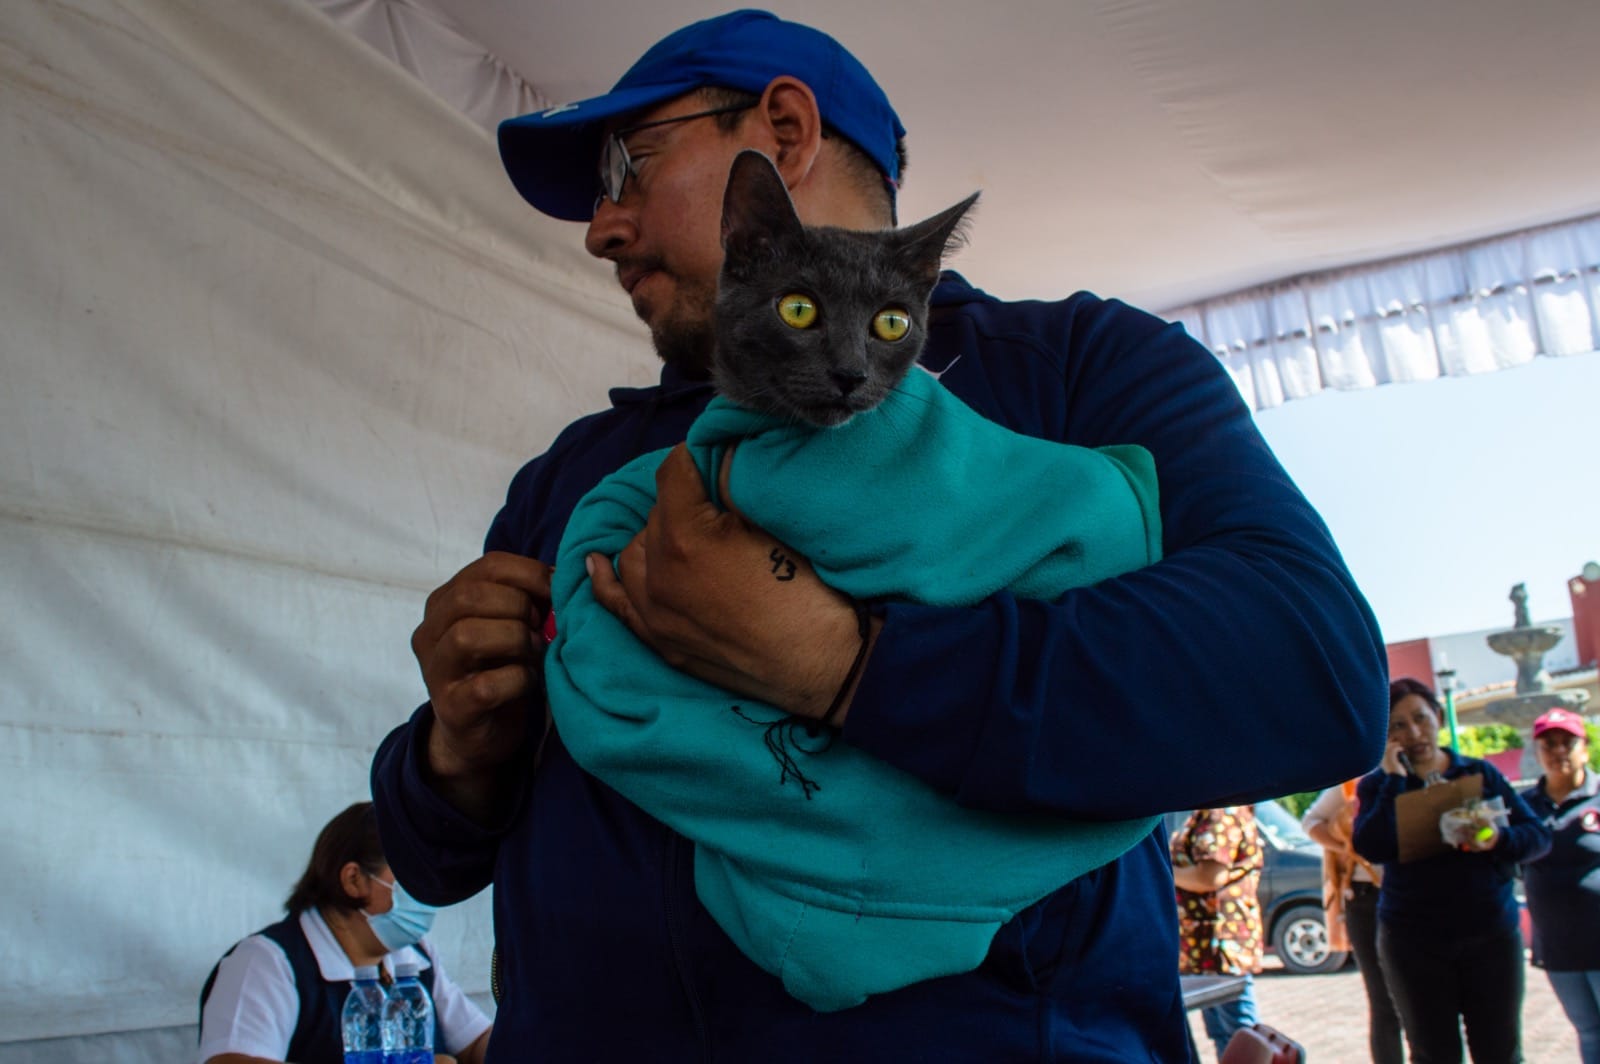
pixel 1448 940
pixel 277 995
pixel 1564 884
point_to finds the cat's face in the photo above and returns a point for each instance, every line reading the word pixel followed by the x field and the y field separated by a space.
pixel 817 324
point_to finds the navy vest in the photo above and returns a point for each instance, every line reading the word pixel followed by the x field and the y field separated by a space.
pixel 316 1039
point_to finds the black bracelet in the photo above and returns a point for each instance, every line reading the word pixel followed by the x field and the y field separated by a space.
pixel 864 625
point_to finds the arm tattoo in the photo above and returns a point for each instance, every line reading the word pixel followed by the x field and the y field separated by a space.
pixel 782 565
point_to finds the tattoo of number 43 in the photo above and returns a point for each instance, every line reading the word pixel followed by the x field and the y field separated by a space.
pixel 783 567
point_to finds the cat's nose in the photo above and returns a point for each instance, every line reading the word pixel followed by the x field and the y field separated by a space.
pixel 847 380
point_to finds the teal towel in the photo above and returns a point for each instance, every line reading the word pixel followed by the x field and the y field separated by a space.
pixel 872 880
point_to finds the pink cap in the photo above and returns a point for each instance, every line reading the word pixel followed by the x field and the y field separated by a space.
pixel 1559 720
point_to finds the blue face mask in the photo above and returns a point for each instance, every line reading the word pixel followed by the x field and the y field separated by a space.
pixel 406 921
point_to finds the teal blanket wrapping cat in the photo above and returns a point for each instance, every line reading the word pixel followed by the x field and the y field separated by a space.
pixel 873 880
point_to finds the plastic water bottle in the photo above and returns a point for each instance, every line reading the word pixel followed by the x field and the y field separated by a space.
pixel 361 1023
pixel 407 1019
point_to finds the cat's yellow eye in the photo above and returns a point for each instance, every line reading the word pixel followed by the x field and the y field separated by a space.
pixel 891 324
pixel 797 311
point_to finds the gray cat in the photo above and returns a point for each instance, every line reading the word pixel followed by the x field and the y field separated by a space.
pixel 818 324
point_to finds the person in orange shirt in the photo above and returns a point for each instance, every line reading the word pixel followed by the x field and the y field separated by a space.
pixel 1350 898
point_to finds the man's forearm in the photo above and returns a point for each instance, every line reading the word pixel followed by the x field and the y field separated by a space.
pixel 481 797
pixel 441 853
pixel 482 793
pixel 1206 877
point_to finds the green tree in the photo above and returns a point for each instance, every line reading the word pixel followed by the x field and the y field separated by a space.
pixel 1297 804
pixel 1481 740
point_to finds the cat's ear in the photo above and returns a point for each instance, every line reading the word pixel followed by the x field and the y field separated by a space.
pixel 923 246
pixel 756 207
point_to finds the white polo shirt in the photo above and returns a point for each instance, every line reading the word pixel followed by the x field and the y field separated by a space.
pixel 254 1004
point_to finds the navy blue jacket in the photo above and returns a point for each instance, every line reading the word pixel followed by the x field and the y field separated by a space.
pixel 1564 885
pixel 1245 665
pixel 1455 892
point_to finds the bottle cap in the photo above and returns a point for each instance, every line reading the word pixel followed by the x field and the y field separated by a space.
pixel 366 973
pixel 406 969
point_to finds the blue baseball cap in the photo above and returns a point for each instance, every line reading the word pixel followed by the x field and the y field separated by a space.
pixel 552 156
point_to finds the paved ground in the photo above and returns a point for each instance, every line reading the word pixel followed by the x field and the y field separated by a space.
pixel 1327 1014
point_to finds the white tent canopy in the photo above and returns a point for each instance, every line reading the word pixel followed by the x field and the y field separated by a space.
pixel 278 332
pixel 1163 151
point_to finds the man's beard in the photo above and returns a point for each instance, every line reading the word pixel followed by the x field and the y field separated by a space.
pixel 685 340
pixel 686 346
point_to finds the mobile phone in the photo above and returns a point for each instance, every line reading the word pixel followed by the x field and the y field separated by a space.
pixel 1405 763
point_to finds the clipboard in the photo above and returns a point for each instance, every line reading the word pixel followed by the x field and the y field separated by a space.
pixel 1417 813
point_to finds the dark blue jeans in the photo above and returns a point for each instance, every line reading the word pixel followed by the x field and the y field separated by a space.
pixel 1438 983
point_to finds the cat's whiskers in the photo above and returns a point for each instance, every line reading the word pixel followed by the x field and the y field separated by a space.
pixel 909 397
pixel 904 398
pixel 782 408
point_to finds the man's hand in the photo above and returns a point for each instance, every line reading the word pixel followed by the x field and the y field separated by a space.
pixel 481 653
pixel 722 600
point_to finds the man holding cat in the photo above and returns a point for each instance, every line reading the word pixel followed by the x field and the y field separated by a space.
pixel 1120 700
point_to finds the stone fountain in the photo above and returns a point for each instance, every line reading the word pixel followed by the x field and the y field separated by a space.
pixel 1526 644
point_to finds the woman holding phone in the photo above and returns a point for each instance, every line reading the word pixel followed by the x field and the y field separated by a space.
pixel 1448 938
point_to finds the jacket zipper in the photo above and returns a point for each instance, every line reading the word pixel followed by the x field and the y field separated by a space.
pixel 678 948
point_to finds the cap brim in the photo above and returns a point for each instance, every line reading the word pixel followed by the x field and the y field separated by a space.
pixel 1571 728
pixel 551 156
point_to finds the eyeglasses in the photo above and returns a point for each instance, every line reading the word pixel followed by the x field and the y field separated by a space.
pixel 615 165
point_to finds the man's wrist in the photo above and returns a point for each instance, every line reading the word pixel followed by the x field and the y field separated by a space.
pixel 834 715
pixel 479 792
pixel 847 665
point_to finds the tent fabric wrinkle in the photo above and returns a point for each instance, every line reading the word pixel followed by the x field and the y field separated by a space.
pixel 391 139
pixel 425 42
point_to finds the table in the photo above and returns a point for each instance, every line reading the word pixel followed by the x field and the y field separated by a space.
pixel 1203 991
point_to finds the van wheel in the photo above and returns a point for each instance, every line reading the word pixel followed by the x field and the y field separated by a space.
pixel 1300 938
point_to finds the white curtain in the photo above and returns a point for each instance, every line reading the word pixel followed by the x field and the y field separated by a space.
pixel 277 334
pixel 1472 309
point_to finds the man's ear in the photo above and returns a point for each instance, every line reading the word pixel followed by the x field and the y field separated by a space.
pixel 788 107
